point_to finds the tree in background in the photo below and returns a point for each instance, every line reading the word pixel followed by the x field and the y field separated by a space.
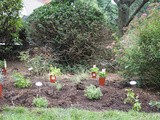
pixel 10 21
pixel 124 8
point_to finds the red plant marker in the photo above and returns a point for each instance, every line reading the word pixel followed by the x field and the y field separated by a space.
pixel 94 74
pixel 102 81
pixel 0 90
pixel 52 79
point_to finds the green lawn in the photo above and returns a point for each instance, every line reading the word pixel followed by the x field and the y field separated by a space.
pixel 20 113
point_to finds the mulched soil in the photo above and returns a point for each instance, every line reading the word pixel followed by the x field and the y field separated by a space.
pixel 72 94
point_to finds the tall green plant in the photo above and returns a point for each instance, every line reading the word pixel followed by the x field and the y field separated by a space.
pixel 10 21
pixel 140 53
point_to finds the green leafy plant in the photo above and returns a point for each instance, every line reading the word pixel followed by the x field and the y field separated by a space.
pixel 1 64
pixel 55 71
pixel 20 81
pixel 40 102
pixel 24 56
pixel 92 92
pixel 102 74
pixel 139 53
pixel 94 69
pixel 137 105
pixel 155 103
pixel 133 100
pixel 79 40
pixel 58 86
pixel 130 96
pixel 39 63
pixel 10 21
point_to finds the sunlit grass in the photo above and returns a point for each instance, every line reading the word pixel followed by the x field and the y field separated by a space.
pixel 20 113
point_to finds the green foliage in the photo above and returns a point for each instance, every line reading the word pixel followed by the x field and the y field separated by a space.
pixel 137 105
pixel 39 63
pixel 1 64
pixel 55 71
pixel 130 96
pixel 102 74
pixel 155 103
pixel 20 81
pixel 139 55
pixel 133 100
pixel 10 21
pixel 91 92
pixel 77 78
pixel 94 69
pixel 24 56
pixel 58 86
pixel 76 32
pixel 40 102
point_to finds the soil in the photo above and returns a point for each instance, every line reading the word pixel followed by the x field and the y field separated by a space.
pixel 72 94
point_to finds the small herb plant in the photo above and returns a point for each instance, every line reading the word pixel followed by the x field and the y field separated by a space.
pixel 1 64
pixel 137 105
pixel 40 102
pixel 58 86
pixel 94 69
pixel 20 81
pixel 155 103
pixel 133 100
pixel 91 92
pixel 55 71
pixel 102 74
pixel 24 56
pixel 130 96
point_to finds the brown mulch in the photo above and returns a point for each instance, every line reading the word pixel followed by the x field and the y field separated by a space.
pixel 72 94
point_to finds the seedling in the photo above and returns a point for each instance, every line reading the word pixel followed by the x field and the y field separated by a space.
pixel 40 102
pixel 53 73
pixel 92 92
pixel 94 71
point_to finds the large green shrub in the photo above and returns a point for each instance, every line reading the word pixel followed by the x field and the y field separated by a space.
pixel 76 32
pixel 139 56
pixel 10 21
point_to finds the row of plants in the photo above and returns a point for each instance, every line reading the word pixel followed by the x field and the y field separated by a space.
pixel 91 92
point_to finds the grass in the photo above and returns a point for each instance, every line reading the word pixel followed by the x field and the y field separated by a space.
pixel 21 113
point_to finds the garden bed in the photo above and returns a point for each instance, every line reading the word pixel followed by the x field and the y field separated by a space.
pixel 72 94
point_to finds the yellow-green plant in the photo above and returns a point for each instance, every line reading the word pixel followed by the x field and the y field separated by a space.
pixel 40 102
pixel 94 69
pixel 102 74
pixel 133 100
pixel 20 81
pixel 92 92
pixel 55 71
pixel 58 86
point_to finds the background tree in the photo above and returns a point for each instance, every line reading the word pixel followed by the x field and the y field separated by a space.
pixel 10 21
pixel 124 7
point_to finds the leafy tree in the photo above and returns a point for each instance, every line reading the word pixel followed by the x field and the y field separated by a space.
pixel 126 12
pixel 10 21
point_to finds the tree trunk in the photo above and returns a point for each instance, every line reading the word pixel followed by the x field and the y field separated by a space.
pixel 123 16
